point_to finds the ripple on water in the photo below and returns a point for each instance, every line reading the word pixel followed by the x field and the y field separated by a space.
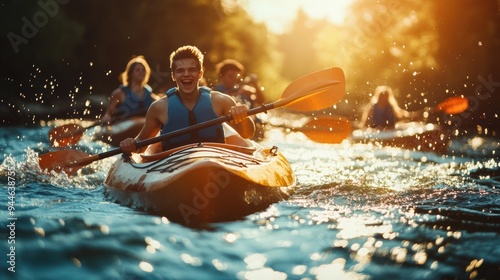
pixel 360 212
pixel 415 211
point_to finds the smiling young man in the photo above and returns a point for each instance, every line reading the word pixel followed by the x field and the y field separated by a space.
pixel 189 104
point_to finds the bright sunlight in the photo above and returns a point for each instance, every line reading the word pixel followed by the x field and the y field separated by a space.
pixel 278 14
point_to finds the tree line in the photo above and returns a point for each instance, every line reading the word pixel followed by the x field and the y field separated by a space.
pixel 60 52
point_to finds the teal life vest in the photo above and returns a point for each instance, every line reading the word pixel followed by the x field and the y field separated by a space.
pixel 180 117
pixel 133 106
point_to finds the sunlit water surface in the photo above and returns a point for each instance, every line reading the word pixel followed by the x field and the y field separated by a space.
pixel 359 212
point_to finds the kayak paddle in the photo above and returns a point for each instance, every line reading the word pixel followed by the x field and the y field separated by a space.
pixel 324 129
pixel 333 130
pixel 453 105
pixel 70 134
pixel 311 92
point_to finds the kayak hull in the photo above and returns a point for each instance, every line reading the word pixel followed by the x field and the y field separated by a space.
pixel 413 136
pixel 202 183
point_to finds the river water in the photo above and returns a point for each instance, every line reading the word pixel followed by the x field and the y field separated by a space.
pixel 359 212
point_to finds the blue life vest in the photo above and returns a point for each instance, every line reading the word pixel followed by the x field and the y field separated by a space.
pixel 383 117
pixel 180 117
pixel 133 106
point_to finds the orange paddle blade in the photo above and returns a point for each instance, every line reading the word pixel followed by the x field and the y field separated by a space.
pixel 316 91
pixel 65 135
pixel 329 130
pixel 68 161
pixel 453 105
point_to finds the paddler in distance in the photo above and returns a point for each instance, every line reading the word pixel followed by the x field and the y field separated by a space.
pixel 134 96
pixel 189 104
pixel 383 110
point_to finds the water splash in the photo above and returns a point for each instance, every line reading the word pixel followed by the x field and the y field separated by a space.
pixel 28 171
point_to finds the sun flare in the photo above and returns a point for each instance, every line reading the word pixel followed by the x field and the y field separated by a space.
pixel 278 14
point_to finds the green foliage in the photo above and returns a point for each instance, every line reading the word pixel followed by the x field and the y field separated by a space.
pixel 238 37
pixel 426 50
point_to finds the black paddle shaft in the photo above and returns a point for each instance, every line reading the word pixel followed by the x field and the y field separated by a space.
pixel 143 143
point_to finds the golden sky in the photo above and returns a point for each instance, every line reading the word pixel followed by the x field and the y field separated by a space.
pixel 278 14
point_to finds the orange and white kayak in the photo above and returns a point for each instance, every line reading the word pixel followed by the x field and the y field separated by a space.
pixel 415 136
pixel 202 183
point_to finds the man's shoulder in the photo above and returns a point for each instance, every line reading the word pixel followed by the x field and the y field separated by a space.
pixel 160 102
pixel 217 95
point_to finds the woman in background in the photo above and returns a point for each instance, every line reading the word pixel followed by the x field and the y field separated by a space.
pixel 134 96
pixel 383 111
